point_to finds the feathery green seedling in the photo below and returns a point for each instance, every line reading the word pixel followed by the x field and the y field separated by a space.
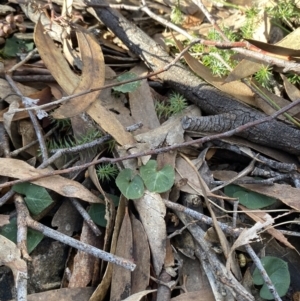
pixel 208 55
pixel 251 21
pixel 294 79
pixel 62 124
pixel 107 172
pixel 111 144
pixel 264 76
pixel 176 14
pixel 174 105
pixel 177 103
pixel 284 10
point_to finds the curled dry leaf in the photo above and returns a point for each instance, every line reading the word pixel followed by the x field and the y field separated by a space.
pixel 152 210
pixel 93 71
pixel 109 123
pixel 93 76
pixel 141 102
pixel 21 170
pixel 245 68
pixel 249 234
pixel 101 290
pixel 61 71
pixel 291 90
pixel 185 171
pixel 84 263
pixel 141 256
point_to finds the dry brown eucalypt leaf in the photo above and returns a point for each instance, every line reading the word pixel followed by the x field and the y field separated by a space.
pixel 93 70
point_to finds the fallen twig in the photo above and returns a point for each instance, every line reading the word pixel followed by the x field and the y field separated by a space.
pixel 73 242
pixel 33 118
pixel 263 272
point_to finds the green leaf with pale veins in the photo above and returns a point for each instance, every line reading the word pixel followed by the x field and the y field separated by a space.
pixel 37 198
pixel 33 237
pixel 131 185
pixel 157 180
pixel 278 271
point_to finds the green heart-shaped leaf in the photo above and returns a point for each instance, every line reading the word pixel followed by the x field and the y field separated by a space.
pixel 157 180
pixel 37 198
pixel 278 272
pixel 131 186
pixel 33 237
pixel 97 211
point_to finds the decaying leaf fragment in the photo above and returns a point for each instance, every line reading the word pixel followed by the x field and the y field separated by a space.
pixel 152 210
pixel 10 256
pixel 249 234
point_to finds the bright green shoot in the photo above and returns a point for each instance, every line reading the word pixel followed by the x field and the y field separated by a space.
pixel 107 172
pixel 175 104
pixel 250 24
pixel 176 14
pixel 264 76
pixel 284 10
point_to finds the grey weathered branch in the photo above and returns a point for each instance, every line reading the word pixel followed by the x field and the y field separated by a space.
pixel 212 101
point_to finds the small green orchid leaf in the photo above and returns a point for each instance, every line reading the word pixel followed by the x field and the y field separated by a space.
pixel 33 237
pixel 130 87
pixel 253 200
pixel 157 180
pixel 97 211
pixel 37 198
pixel 229 190
pixel 14 45
pixel 278 271
pixel 249 199
pixel 97 214
pixel 131 186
